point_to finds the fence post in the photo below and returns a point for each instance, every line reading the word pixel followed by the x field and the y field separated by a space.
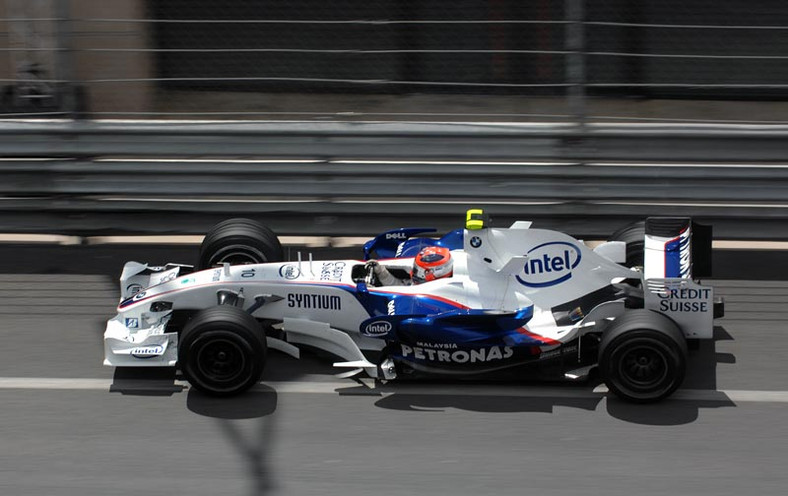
pixel 64 60
pixel 575 61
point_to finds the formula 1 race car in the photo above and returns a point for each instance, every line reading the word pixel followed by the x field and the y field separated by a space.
pixel 520 302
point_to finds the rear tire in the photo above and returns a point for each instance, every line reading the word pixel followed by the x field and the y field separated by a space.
pixel 222 351
pixel 643 356
pixel 634 236
pixel 239 242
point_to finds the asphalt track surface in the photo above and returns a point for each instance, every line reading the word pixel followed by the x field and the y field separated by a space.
pixel 69 426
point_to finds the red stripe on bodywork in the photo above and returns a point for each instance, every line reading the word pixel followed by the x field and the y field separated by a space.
pixel 524 330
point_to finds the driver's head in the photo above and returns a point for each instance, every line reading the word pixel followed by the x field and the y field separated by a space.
pixel 432 262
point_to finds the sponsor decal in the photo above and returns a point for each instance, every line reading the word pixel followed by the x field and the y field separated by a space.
pixel 132 323
pixel 396 235
pixel 332 271
pixel 168 277
pixel 576 314
pixel 247 273
pixel 677 256
pixel 545 355
pixel 549 264
pixel 132 299
pixel 684 300
pixel 378 328
pixel 133 289
pixel 289 272
pixel 476 241
pixel 684 248
pixel 316 301
pixel 391 307
pixel 448 353
pixel 217 275
pixel 445 346
pixel 187 280
pixel 147 351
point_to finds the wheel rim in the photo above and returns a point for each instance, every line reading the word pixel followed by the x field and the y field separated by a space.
pixel 237 255
pixel 220 360
pixel 643 367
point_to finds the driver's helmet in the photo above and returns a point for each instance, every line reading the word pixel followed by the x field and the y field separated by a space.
pixel 432 262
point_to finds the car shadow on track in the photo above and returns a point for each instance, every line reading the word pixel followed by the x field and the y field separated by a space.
pixel 246 421
pixel 488 404
pixel 248 424
pixel 698 392
pixel 166 381
pixel 667 412
pixel 148 381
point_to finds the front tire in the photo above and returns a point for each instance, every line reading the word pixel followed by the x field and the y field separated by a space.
pixel 643 356
pixel 239 242
pixel 222 351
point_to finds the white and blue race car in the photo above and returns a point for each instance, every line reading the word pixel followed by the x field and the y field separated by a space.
pixel 521 302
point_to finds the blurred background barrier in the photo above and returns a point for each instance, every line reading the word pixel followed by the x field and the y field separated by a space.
pixel 347 179
pixel 352 116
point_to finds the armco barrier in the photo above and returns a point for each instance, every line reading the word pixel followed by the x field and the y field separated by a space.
pixel 338 178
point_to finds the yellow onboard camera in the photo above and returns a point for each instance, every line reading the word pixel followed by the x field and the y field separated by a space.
pixel 474 219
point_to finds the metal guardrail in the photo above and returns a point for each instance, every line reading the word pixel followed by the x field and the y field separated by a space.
pixel 340 178
pixel 657 142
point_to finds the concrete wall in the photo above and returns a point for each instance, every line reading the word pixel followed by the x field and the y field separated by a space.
pixel 73 58
pixel 26 40
pixel 136 96
pixel 80 51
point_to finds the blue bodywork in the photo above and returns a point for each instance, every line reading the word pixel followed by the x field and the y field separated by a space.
pixel 431 334
pixel 459 326
pixel 400 243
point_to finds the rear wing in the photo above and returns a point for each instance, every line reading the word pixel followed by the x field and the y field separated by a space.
pixel 676 247
pixel 677 252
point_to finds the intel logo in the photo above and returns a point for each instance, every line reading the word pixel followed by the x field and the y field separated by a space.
pixel 377 328
pixel 147 351
pixel 549 264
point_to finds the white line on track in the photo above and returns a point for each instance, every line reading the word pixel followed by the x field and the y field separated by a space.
pixel 689 165
pixel 370 388
pixel 212 161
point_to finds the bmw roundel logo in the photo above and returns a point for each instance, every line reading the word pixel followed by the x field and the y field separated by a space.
pixel 290 272
pixel 476 241
pixel 133 288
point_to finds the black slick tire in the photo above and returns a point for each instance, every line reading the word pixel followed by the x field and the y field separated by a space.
pixel 239 242
pixel 222 351
pixel 643 356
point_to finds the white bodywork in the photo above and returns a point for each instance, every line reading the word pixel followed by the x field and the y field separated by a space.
pixel 315 302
